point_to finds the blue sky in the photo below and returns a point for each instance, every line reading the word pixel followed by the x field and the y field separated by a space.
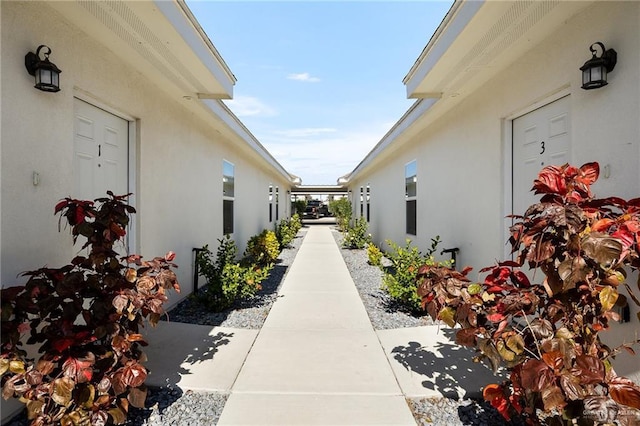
pixel 319 83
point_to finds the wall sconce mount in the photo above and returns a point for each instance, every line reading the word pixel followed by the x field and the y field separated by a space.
pixel 594 71
pixel 46 73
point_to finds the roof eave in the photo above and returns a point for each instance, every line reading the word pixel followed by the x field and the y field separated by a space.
pixel 160 38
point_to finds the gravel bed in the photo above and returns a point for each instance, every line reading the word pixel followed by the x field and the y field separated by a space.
pixel 172 406
pixel 250 313
pixel 383 312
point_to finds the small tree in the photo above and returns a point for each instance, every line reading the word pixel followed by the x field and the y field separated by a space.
pixel 85 319
pixel 342 210
pixel 547 332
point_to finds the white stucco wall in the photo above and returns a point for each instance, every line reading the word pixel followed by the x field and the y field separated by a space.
pixel 464 157
pixel 178 175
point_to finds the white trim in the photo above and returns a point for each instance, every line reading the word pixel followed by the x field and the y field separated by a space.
pixel 96 102
pixel 132 161
pixel 545 100
pixel 452 25
pixel 195 37
pixel 132 170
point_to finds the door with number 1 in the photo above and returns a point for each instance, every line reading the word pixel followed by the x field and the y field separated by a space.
pixel 101 153
pixel 540 138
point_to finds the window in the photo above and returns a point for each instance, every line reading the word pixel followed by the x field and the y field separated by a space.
pixel 368 203
pixel 270 203
pixel 410 190
pixel 277 200
pixel 228 196
pixel 361 201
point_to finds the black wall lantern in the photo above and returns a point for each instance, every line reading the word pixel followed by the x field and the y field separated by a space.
pixel 594 71
pixel 47 74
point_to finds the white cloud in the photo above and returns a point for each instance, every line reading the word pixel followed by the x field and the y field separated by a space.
pixel 320 156
pixel 248 106
pixel 305 76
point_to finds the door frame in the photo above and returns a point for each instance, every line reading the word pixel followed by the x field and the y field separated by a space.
pixel 132 169
pixel 507 155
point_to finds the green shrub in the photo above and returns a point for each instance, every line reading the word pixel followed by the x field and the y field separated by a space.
pixel 299 206
pixel 263 249
pixel 227 280
pixel 342 210
pixel 287 229
pixel 242 282
pixel 296 223
pixel 356 237
pixel 374 254
pixel 399 280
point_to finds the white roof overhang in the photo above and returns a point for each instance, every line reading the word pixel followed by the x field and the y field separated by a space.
pixel 164 42
pixel 161 39
pixel 476 40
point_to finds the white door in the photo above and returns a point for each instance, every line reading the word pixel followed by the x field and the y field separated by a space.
pixel 540 138
pixel 101 157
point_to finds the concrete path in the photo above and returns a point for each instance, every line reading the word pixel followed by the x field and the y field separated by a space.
pixel 317 359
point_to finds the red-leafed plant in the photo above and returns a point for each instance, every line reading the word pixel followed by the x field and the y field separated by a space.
pixel 545 328
pixel 84 318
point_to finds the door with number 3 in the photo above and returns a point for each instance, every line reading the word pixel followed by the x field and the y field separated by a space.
pixel 540 138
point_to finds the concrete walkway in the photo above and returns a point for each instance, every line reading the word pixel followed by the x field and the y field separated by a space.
pixel 317 359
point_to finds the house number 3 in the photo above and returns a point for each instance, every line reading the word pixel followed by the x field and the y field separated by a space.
pixel 542 147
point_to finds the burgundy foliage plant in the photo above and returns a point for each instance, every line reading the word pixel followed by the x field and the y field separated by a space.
pixel 84 319
pixel 544 325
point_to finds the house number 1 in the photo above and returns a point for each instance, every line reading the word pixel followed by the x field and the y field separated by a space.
pixel 542 147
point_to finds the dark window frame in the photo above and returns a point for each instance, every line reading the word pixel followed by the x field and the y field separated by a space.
pixel 228 196
pixel 411 197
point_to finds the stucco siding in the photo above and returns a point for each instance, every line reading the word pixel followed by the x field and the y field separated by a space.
pixel 176 175
pixel 464 150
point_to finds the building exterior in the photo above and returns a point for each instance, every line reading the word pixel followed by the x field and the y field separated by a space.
pixel 139 111
pixel 499 97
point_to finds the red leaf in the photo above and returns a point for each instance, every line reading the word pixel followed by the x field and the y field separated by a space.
pixel 497 317
pixel 550 181
pixel 589 173
pixel 590 369
pixel 63 344
pixel 80 215
pixel 535 375
pixel 79 369
pixel 494 394
pixel 625 392
pixel 61 205
pixel 134 375
pixel 602 225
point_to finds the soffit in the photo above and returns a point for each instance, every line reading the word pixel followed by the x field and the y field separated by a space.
pixel 479 39
pixel 475 41
pixel 162 40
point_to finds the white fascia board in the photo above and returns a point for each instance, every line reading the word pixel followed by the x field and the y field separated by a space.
pixel 183 21
pixel 220 110
pixel 415 112
pixel 452 25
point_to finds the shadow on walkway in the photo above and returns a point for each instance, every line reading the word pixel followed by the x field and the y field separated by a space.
pixel 448 367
